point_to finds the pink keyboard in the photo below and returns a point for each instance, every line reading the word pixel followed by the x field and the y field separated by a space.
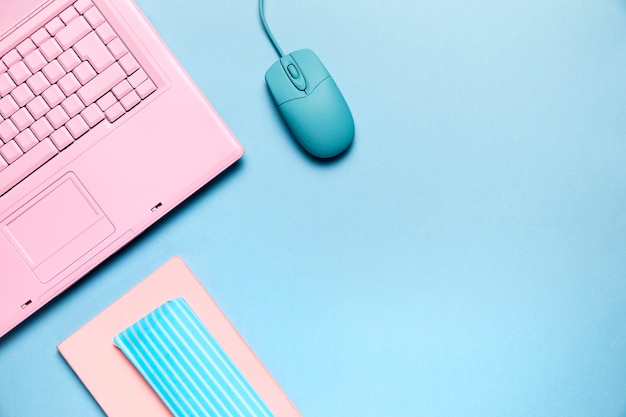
pixel 71 74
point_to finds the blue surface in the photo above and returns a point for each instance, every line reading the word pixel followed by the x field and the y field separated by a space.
pixel 467 257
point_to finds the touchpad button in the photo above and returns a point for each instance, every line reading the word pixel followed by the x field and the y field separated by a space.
pixel 57 227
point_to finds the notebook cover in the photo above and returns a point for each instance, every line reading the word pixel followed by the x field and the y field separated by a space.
pixel 114 382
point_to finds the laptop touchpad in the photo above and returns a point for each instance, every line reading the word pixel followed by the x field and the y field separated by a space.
pixel 57 227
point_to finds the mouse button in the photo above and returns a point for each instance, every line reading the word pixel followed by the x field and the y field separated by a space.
pixel 280 85
pixel 311 66
pixel 293 72
pixel 322 124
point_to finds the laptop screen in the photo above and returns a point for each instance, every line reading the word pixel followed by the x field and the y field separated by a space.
pixel 12 12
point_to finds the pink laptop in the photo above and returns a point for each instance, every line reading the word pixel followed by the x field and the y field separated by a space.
pixel 101 133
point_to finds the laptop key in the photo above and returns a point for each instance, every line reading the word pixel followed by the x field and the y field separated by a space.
pixel 69 60
pixel 35 61
pixel 92 49
pixel 40 36
pixel 72 105
pixel 11 152
pixel 53 95
pixel 11 58
pixel 71 33
pixel 53 71
pixel 50 49
pixel 94 17
pixel 22 119
pixel 117 48
pixel 57 117
pixel 137 78
pixel 38 107
pixel 92 115
pixel 106 101
pixel 22 95
pixel 38 83
pixel 54 26
pixel 114 112
pixel 69 84
pixel 100 85
pixel 122 89
pixel 8 106
pixel 26 47
pixel 81 6
pixel 105 32
pixel 62 138
pixel 84 73
pixel 27 163
pixel 68 15
pixel 42 128
pixel 129 64
pixel 6 84
pixel 130 100
pixel 7 131
pixel 145 89
pixel 77 127
pixel 19 72
pixel 26 140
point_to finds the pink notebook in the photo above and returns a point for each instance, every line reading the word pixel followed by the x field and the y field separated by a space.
pixel 115 383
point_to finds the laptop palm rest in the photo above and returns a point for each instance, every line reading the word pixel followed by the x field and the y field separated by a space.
pixel 57 227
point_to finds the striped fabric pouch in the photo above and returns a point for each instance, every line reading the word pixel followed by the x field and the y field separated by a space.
pixel 191 373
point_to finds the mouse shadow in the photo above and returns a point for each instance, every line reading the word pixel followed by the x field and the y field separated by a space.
pixel 327 161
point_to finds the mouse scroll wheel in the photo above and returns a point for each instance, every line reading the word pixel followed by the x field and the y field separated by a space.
pixel 293 71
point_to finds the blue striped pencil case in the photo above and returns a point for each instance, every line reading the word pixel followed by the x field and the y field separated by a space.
pixel 191 373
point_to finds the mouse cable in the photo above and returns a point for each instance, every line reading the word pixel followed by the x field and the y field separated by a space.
pixel 268 31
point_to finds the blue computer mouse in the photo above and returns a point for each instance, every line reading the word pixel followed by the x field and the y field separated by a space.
pixel 311 104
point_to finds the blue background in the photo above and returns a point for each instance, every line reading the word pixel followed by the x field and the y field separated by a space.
pixel 467 257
